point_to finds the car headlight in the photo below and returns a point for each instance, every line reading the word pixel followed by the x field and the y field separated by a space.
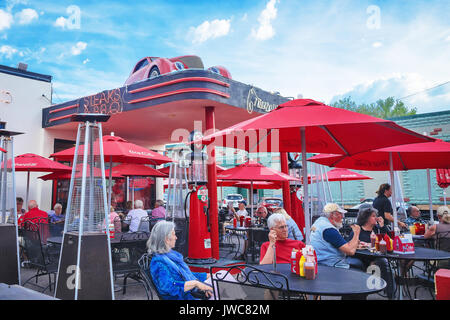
pixel 214 69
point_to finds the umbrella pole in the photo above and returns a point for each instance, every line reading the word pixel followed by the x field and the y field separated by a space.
pixel 110 183
pixel 28 187
pixel 342 197
pixel 305 185
pixel 251 198
pixel 394 202
pixel 429 196
pixel 445 197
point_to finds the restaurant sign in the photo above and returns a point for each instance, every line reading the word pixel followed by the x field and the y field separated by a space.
pixel 255 102
pixel 106 102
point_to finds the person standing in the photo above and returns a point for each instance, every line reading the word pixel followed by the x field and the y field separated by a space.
pixel 384 206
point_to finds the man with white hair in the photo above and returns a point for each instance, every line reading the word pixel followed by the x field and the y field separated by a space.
pixel 331 248
pixel 56 215
pixel 134 216
pixel 278 238
pixel 34 214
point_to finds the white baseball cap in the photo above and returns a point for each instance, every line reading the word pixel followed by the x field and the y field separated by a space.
pixel 332 207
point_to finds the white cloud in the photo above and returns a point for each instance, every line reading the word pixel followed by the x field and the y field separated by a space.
pixel 377 44
pixel 402 86
pixel 78 48
pixel 265 30
pixel 61 22
pixel 7 51
pixel 209 30
pixel 27 16
pixel 86 61
pixel 6 19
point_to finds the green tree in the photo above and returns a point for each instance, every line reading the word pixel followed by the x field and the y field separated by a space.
pixel 384 109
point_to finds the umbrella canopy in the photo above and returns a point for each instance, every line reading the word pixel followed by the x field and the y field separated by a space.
pixel 341 174
pixel 31 162
pixel 78 174
pixel 443 178
pixel 35 163
pixel 117 149
pixel 404 157
pixel 327 129
pixel 428 155
pixel 254 171
pixel 305 125
pixel 130 169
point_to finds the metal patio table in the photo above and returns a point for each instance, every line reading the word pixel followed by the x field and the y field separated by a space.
pixel 329 281
pixel 420 254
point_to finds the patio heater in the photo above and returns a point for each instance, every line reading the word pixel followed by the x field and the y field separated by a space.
pixel 85 269
pixel 9 247
pixel 176 195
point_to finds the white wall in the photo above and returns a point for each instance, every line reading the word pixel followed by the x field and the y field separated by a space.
pixel 24 114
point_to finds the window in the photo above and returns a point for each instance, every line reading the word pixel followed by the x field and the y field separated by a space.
pixel 141 64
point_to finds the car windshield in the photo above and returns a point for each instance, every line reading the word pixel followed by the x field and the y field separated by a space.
pixel 234 197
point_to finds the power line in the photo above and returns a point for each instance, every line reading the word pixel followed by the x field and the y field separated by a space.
pixel 413 94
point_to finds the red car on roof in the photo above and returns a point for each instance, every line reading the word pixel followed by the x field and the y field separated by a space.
pixel 151 67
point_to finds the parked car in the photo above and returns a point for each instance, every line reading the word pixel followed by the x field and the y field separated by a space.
pixel 367 200
pixel 271 202
pixel 233 198
pixel 151 67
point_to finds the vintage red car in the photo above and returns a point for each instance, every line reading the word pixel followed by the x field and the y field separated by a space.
pixel 150 67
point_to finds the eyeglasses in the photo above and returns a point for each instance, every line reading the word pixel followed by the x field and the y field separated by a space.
pixel 282 227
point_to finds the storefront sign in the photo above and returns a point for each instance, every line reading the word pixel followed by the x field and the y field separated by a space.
pixel 106 102
pixel 255 102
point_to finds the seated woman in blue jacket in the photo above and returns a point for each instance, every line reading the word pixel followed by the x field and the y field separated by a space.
pixel 170 274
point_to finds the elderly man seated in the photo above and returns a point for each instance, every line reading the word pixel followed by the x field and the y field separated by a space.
pixel 134 216
pixel 34 214
pixel 278 238
pixel 331 248
pixel 56 215
pixel 413 216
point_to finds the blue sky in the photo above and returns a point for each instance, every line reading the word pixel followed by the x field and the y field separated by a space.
pixel 324 50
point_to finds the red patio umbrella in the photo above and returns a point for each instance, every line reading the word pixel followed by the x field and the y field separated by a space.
pixel 30 162
pixel 78 174
pixel 309 126
pixel 341 174
pixel 403 157
pixel 117 149
pixel 254 171
pixel 133 170
pixel 443 181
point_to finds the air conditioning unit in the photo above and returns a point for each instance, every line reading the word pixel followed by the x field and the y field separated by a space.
pixel 22 66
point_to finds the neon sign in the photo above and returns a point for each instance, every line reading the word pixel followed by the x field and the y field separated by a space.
pixel 106 102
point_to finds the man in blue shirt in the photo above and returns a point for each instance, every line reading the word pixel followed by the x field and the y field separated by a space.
pixel 331 248
pixel 414 216
pixel 55 215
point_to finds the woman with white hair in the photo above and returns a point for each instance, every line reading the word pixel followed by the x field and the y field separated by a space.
pixel 442 229
pixel 278 237
pixel 171 275
pixel 134 216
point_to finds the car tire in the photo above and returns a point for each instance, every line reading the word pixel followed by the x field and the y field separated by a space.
pixel 154 72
